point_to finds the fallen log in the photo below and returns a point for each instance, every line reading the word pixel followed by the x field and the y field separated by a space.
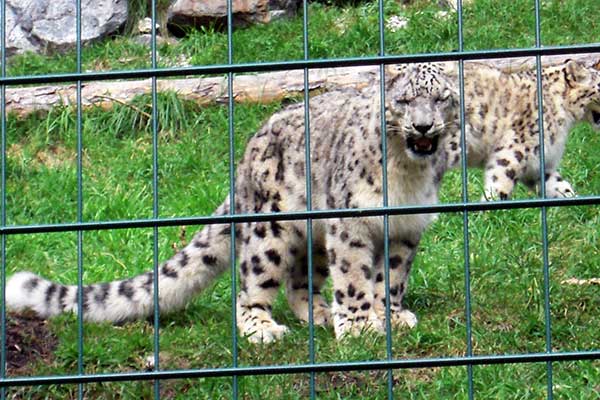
pixel 257 88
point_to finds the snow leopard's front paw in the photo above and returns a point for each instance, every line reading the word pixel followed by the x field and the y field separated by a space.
pixel 559 189
pixel 356 325
pixel 403 318
pixel 258 326
pixel 494 194
pixel 399 318
pixel 265 332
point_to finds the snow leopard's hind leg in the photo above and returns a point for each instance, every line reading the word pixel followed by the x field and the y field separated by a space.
pixel 297 285
pixel 402 253
pixel 265 260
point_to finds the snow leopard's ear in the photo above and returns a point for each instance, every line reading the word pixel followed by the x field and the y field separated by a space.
pixel 575 73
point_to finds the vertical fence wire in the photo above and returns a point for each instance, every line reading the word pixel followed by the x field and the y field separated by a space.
pixel 80 309
pixel 232 199
pixel 465 199
pixel 155 209
pixel 3 327
pixel 543 210
pixel 308 175
pixel 386 220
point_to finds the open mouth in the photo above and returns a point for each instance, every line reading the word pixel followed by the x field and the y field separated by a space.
pixel 596 117
pixel 422 145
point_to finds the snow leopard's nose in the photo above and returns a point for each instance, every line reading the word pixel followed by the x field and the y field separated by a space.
pixel 421 128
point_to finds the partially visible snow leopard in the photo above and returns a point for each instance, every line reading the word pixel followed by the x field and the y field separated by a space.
pixel 346 163
pixel 502 132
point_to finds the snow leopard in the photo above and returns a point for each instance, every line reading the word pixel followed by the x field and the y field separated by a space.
pixel 346 165
pixel 502 129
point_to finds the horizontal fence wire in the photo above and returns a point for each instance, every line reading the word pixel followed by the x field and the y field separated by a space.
pixel 306 368
pixel 297 215
pixel 301 64
pixel 465 207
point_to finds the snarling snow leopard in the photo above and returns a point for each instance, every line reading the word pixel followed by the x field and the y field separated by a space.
pixel 421 110
pixel 502 130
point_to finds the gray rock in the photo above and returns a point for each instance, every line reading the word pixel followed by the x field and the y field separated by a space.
pixel 196 13
pixel 50 25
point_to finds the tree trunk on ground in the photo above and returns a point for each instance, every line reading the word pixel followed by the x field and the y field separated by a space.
pixel 259 88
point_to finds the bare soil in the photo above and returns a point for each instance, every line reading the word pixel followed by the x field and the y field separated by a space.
pixel 28 341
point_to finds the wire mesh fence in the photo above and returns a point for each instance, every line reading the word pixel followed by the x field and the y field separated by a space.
pixel 389 363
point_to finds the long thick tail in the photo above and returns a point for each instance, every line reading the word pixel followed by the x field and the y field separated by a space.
pixel 181 277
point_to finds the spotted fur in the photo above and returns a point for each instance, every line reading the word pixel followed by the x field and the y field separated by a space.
pixel 346 164
pixel 502 130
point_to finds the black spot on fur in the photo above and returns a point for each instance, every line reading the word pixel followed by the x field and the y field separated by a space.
pixel 339 296
pixel 209 260
pixel 366 270
pixel 276 229
pixel 244 268
pixel 260 231
pixel 148 284
pixel 49 292
pixel 379 277
pixel 269 284
pixel 168 271
pixel 518 155
pixel 331 255
pixel 357 244
pixel 61 296
pixel 395 262
pixel 503 162
pixel 345 267
pixel 102 293
pixel 273 256
pixel 365 306
pixel 510 173
pixel 351 290
pixel 31 284
pixel 344 236
pixel 126 290
pixel 257 269
pixel 184 259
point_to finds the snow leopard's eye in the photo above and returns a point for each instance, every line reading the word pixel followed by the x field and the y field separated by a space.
pixel 443 97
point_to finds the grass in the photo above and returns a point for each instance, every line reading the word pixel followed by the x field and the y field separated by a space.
pixel 505 246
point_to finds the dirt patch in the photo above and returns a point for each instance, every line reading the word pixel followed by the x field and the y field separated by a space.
pixel 53 157
pixel 28 340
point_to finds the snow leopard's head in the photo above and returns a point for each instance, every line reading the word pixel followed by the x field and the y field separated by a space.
pixel 422 106
pixel 583 91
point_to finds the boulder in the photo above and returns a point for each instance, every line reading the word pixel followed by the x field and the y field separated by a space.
pixel 50 25
pixel 197 13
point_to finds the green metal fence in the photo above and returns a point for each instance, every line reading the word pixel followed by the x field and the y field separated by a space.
pixel 312 367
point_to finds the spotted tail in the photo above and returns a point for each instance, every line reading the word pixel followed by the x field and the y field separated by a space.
pixel 181 277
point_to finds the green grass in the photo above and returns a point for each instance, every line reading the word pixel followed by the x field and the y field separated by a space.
pixel 505 246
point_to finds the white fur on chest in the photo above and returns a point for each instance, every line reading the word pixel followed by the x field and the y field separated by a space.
pixel 410 185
